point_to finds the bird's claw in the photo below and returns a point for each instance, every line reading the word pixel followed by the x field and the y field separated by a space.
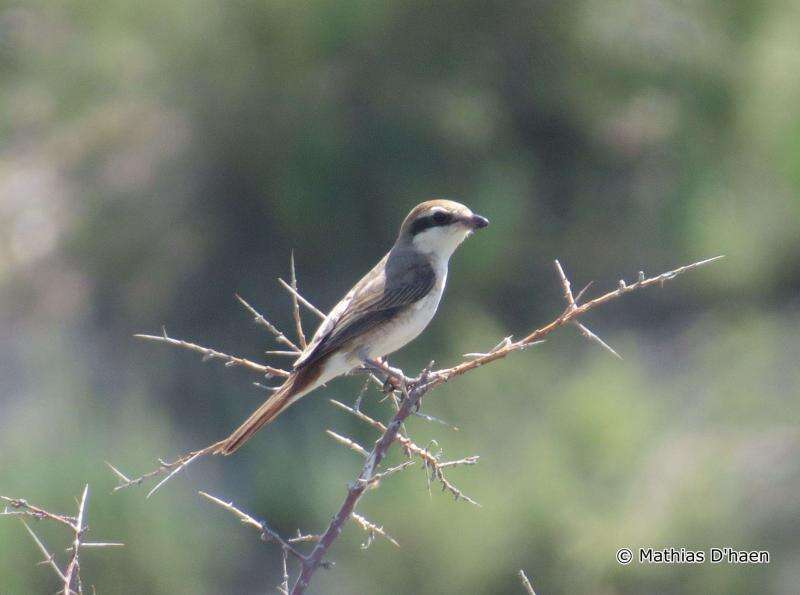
pixel 389 386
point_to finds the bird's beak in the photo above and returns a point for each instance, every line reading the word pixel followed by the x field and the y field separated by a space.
pixel 478 222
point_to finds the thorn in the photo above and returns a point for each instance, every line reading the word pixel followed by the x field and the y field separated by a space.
pixel 120 475
pixel 583 291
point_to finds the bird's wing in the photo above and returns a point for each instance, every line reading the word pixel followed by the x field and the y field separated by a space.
pixel 371 301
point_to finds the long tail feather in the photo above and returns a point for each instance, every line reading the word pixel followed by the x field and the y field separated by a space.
pixel 288 393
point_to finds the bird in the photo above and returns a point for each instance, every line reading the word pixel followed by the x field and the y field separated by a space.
pixel 389 307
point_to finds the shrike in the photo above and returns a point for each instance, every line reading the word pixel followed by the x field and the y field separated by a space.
pixel 389 307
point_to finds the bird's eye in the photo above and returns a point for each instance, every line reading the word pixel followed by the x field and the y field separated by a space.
pixel 440 217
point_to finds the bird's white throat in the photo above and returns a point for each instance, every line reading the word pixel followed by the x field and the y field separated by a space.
pixel 441 242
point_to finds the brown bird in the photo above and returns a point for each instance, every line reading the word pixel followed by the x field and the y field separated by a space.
pixel 389 307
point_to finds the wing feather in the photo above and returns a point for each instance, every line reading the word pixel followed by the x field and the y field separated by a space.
pixel 371 301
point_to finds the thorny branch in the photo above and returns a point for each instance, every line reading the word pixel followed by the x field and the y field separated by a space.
pixel 74 567
pixel 430 461
pixel 406 394
pixel 20 506
pixel 372 530
pixel 416 388
pixel 70 578
pixel 267 534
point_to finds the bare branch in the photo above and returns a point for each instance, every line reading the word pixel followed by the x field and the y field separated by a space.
pixel 23 507
pixel 430 460
pixel 74 567
pixel 170 468
pixel 267 534
pixel 77 527
pixel 372 530
pixel 418 387
pixel 565 284
pixel 284 586
pixel 208 354
pixel 572 304
pixel 406 394
pixel 442 376
pixel 343 440
pixel 391 471
pixel 177 468
pixel 465 461
pixel 262 321
pixel 48 557
pixel 97 545
pixel 300 538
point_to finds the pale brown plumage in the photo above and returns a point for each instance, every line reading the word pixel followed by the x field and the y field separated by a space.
pixel 377 303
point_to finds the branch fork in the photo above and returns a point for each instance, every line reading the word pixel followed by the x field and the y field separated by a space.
pixel 70 576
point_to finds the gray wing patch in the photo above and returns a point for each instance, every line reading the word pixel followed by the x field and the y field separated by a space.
pixel 411 279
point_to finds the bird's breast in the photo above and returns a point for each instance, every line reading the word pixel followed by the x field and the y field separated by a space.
pixel 406 324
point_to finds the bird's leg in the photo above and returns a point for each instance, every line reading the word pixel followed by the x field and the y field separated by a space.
pixel 423 377
pixel 390 384
pixel 395 379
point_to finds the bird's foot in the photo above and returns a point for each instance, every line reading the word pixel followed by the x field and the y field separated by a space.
pixel 390 385
pixel 395 379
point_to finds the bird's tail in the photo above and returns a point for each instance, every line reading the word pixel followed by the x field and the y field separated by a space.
pixel 295 386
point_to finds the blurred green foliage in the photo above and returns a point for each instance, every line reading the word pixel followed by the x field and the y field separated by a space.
pixel 156 157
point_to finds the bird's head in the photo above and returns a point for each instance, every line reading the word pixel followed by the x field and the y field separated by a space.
pixel 437 227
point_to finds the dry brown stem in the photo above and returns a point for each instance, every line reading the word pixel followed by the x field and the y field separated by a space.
pixel 406 394
pixel 415 389
pixel 267 534
pixel 70 577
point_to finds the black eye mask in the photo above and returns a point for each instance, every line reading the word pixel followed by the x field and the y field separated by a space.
pixel 438 219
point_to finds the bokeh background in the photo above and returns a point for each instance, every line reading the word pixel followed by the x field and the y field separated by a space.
pixel 158 156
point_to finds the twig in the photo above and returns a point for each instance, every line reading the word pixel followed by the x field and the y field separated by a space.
pixel 23 507
pixel 391 471
pixel 49 559
pixel 284 586
pixel 282 353
pixel 442 376
pixel 343 440
pixel 372 530
pixel 262 321
pixel 300 538
pixel 97 544
pixel 77 527
pixel 74 567
pixel 572 304
pixel 209 354
pixel 267 534
pixel 412 390
pixel 526 584
pixel 420 386
pixel 170 468
pixel 179 467
pixel 430 460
